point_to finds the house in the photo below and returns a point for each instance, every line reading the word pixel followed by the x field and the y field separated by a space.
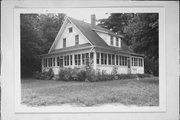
pixel 79 43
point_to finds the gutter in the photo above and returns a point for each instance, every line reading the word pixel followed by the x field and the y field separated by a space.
pixel 120 51
pixel 54 53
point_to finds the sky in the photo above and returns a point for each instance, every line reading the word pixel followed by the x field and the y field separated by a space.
pixel 85 13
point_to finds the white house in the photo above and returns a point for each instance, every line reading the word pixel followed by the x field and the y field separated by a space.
pixel 79 43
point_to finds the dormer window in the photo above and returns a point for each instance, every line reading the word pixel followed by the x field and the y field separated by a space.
pixel 70 29
pixel 112 40
pixel 117 41
pixel 76 39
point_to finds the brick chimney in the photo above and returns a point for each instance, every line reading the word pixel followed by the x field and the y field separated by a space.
pixel 93 19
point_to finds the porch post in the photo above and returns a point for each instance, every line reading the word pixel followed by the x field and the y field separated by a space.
pixel 42 65
pixel 143 64
pixel 81 59
pixel 73 64
pixel 95 57
pixel 99 58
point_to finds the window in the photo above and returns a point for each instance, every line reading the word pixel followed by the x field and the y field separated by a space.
pixel 135 61
pixel 102 58
pixel 113 62
pixel 70 30
pixel 70 59
pixel 117 60
pixel 91 58
pixel 125 61
pixel 87 58
pixel 45 62
pixel 58 61
pixel 132 61
pixel 83 59
pixel 109 59
pixel 117 41
pixel 112 40
pixel 140 62
pixel 50 62
pixel 64 42
pixel 54 61
pixel 97 58
pixel 120 60
pixel 76 39
pixel 79 59
pixel 75 59
pixel 67 60
pixel 105 59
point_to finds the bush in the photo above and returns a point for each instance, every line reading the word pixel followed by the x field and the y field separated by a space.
pixel 87 73
pixel 47 75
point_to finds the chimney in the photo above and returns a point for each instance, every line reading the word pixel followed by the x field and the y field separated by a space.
pixel 93 19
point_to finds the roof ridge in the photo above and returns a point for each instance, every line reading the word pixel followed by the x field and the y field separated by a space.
pixel 96 26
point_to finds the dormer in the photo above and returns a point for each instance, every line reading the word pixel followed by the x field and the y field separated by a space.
pixel 108 36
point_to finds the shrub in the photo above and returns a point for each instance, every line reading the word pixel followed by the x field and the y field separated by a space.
pixel 87 73
pixel 144 75
pixel 65 74
pixel 90 74
pixel 47 75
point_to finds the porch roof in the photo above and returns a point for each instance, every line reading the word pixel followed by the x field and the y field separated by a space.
pixel 69 49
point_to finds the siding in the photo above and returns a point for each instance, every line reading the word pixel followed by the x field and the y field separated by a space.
pixel 107 37
pixel 70 37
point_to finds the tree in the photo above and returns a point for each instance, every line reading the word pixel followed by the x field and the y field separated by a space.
pixel 38 32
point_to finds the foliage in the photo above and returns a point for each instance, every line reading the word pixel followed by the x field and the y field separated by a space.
pixel 77 74
pixel 88 74
pixel 140 31
pixel 38 32
pixel 45 75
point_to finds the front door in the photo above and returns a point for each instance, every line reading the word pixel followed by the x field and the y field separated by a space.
pixel 129 66
pixel 61 62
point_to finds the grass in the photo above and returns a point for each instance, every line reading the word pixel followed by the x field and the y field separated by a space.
pixel 143 92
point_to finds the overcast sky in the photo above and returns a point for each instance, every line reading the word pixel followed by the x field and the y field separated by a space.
pixel 85 13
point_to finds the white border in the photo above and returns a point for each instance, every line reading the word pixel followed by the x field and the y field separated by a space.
pixel 106 108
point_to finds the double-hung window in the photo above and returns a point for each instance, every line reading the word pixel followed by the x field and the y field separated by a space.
pixel 76 39
pixel 64 42
pixel 112 42
pixel 75 59
pixel 117 59
pixel 109 59
pixel 113 60
pixel 97 58
pixel 102 58
pixel 70 29
pixel 117 41
pixel 79 59
pixel 58 61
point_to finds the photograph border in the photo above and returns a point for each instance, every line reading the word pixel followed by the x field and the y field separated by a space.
pixel 58 109
pixel 171 29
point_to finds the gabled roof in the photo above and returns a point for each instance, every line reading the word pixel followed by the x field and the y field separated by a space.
pixel 89 31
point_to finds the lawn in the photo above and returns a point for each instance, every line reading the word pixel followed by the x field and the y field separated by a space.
pixel 143 92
